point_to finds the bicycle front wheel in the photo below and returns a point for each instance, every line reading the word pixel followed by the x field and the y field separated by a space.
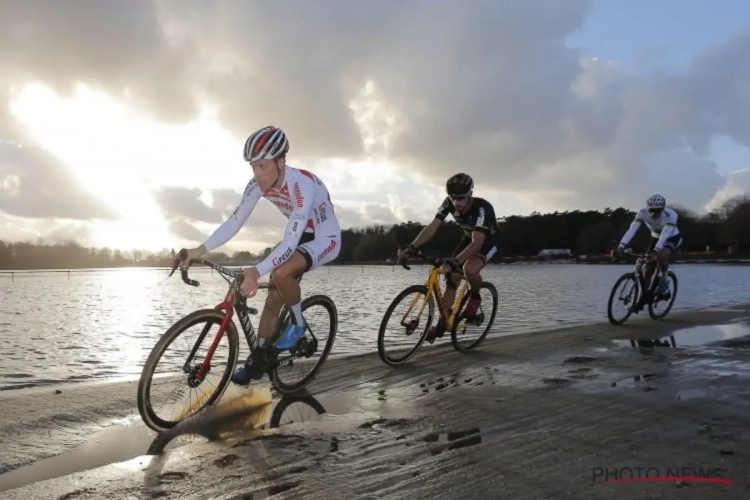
pixel 629 297
pixel 315 309
pixel 415 299
pixel 195 395
pixel 461 335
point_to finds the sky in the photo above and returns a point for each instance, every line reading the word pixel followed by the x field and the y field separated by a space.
pixel 122 123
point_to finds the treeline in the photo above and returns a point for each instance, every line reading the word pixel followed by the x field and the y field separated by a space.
pixel 725 230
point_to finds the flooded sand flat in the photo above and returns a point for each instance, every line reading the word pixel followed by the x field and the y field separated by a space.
pixel 530 416
pixel 102 325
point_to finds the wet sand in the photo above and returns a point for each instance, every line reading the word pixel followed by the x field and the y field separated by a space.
pixel 553 414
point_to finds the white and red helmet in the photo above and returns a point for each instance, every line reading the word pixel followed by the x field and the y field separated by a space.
pixel 267 143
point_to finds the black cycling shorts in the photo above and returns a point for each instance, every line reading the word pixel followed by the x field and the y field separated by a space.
pixel 488 250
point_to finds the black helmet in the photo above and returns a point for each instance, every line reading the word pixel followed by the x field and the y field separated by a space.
pixel 459 185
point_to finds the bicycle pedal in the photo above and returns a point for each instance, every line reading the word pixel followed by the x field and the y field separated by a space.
pixel 252 311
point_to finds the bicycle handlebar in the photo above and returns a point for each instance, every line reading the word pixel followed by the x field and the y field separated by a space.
pixel 641 255
pixel 432 260
pixel 181 256
pixel 238 276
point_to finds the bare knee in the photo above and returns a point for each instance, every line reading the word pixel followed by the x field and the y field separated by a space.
pixel 472 268
pixel 282 274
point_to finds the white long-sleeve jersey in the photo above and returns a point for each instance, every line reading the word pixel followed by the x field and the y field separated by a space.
pixel 663 228
pixel 303 199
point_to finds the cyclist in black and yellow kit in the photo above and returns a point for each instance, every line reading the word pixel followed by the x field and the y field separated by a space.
pixel 476 217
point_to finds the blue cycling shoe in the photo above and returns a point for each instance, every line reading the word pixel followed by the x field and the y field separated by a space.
pixel 290 337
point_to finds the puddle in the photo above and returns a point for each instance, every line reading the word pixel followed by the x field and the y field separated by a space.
pixel 444 441
pixel 136 443
pixel 638 380
pixel 273 490
pixel 476 377
pixel 105 447
pixel 435 443
pixel 736 334
pixel 690 394
pixel 646 344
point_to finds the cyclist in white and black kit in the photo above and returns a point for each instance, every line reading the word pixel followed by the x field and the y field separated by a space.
pixel 476 217
pixel 665 238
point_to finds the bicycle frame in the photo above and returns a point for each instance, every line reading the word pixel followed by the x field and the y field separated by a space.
pixel 639 271
pixel 233 302
pixel 433 288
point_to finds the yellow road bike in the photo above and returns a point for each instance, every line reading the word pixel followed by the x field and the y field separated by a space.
pixel 410 332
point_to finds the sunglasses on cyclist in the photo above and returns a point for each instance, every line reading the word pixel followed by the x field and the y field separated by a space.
pixel 458 198
pixel 654 211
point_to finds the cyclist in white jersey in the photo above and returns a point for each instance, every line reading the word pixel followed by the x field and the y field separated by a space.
pixel 665 237
pixel 312 239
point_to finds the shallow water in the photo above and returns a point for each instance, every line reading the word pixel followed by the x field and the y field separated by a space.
pixel 99 325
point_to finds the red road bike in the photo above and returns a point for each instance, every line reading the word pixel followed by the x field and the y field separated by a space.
pixel 197 372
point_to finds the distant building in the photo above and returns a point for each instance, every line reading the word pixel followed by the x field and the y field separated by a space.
pixel 556 252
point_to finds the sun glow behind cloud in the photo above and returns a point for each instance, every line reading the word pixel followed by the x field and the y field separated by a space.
pixel 120 157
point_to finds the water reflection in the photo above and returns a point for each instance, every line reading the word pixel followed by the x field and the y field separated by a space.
pixel 694 336
pixel 134 307
pixel 243 414
pixel 126 445
pixel 648 344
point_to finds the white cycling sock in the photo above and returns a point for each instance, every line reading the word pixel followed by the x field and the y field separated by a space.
pixel 297 314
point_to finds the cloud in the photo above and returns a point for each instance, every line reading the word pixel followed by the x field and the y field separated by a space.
pixel 186 231
pixel 185 202
pixel 121 47
pixel 48 231
pixel 193 220
pixel 436 87
pixel 34 185
pixel 737 184
pixel 225 200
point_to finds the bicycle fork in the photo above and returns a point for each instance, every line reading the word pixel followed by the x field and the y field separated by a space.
pixel 411 326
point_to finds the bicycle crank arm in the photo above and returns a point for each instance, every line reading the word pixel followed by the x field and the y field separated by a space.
pixel 284 360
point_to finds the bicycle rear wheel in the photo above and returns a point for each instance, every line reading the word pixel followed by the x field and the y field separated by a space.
pixel 630 299
pixel 653 303
pixel 199 398
pixel 461 325
pixel 407 328
pixel 306 347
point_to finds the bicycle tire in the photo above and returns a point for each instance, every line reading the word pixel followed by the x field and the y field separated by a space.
pixel 287 401
pixel 454 328
pixel 624 277
pixel 149 417
pixel 327 304
pixel 395 302
pixel 651 312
